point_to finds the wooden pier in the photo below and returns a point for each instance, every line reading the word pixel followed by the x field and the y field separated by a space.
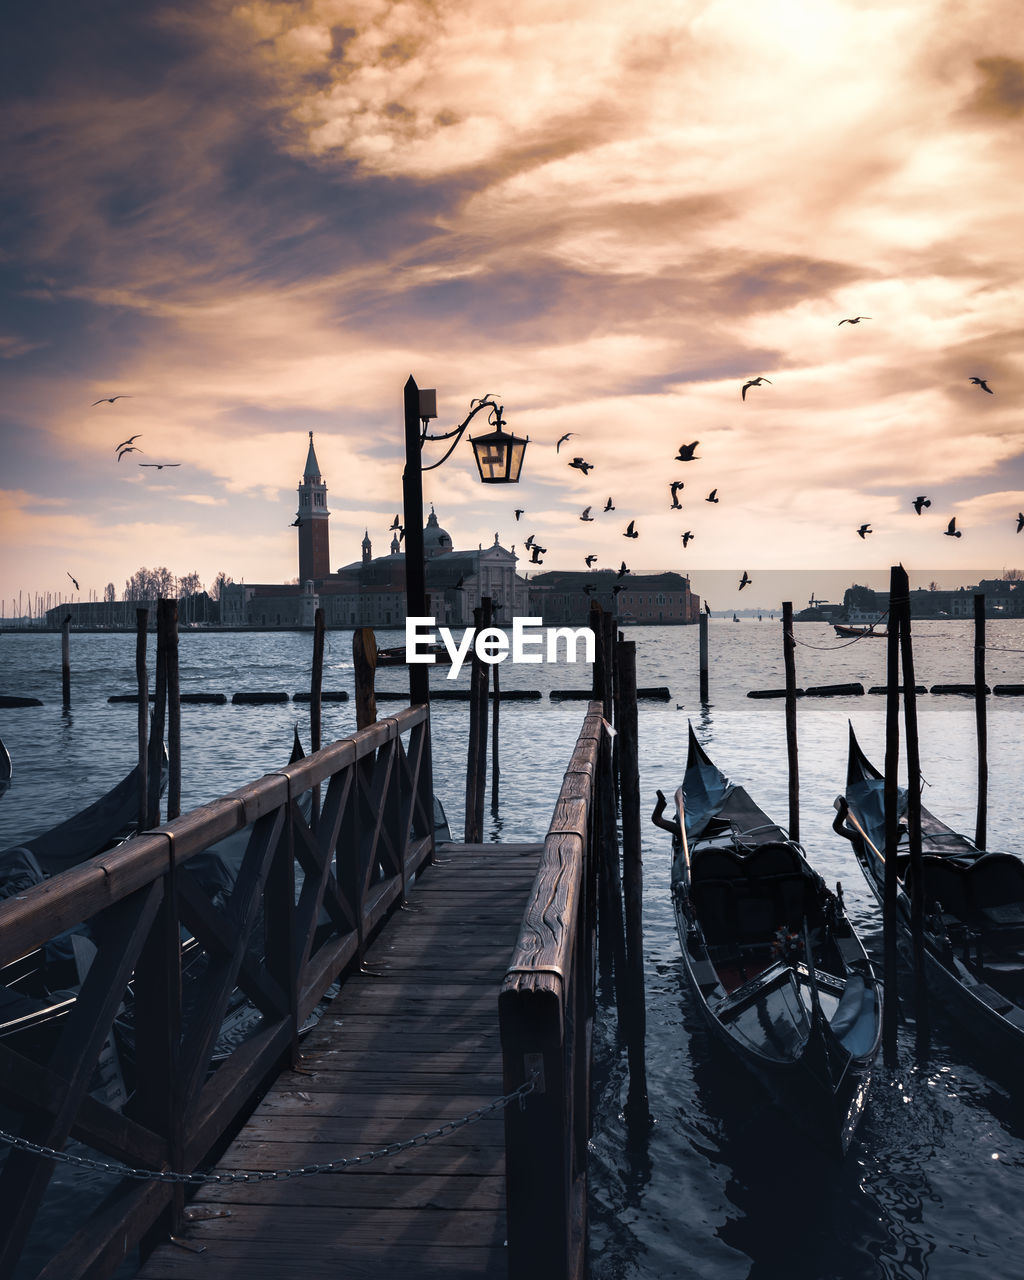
pixel 411 1043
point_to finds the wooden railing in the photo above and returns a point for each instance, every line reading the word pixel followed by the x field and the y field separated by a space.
pixel 546 1010
pixel 307 895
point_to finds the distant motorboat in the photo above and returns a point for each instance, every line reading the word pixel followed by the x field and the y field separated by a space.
pixel 856 632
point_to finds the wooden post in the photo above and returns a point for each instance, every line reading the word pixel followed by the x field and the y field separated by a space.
pixel 476 762
pixel 65 660
pixel 142 684
pixel 789 659
pixel 913 808
pixel 637 1111
pixel 316 684
pixel 890 792
pixel 482 677
pixel 610 934
pixel 167 625
pixel 980 715
pixel 495 711
pixel 412 501
pixel 156 733
pixel 364 659
pixel 702 627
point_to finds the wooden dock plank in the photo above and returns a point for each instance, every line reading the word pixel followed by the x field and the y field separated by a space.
pixel 407 1045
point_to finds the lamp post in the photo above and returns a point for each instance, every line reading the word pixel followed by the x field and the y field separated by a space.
pixel 499 460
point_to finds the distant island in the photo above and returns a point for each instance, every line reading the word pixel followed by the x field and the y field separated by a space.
pixel 1004 598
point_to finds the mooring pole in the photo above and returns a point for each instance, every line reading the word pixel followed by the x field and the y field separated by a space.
pixel 702 628
pixel 65 660
pixel 167 621
pixel 142 685
pixel 891 798
pixel 495 711
pixel 913 810
pixel 316 685
pixel 473 833
pixel 611 933
pixel 789 659
pixel 637 1110
pixel 364 660
pixel 981 718
pixel 156 732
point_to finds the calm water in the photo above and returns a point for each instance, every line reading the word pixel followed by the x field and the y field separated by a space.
pixel 721 1189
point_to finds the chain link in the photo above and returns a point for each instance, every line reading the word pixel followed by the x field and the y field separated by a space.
pixel 272 1175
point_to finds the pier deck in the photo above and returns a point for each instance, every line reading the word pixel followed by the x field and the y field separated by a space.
pixel 407 1045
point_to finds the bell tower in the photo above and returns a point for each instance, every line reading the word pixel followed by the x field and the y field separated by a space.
pixel 314 539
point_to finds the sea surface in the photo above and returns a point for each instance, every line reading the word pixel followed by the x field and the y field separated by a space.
pixel 720 1186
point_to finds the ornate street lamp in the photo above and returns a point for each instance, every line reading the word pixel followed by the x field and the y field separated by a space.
pixel 499 459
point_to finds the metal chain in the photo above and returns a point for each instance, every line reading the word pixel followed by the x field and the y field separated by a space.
pixel 272 1175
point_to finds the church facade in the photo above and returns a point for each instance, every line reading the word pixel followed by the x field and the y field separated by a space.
pixel 370 591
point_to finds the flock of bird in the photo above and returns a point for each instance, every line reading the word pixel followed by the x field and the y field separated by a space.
pixel 129 445
pixel 688 453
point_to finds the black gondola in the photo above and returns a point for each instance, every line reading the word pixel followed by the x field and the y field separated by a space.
pixel 775 964
pixel 973 927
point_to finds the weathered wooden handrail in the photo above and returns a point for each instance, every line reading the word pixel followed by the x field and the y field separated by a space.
pixel 545 1009
pixel 304 902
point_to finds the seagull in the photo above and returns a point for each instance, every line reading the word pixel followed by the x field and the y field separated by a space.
pixel 535 556
pixel 395 524
pixel 754 382
pixel 685 453
pixel 568 436
pixel 674 488
pixel 852 320
pixel 109 400
pixel 951 531
pixel 295 524
pixel 921 501
pixel 680 706
pixel 125 443
pixel 864 530
pixel 519 511
pixel 73 579
pixel 580 465
pixel 159 465
pixel 980 382
pixel 589 589
pixel 132 448
pixel 622 570
pixel 590 560
pixel 687 536
pixel 585 514
pixel 712 496
pixel 608 505
pixel 528 544
pixel 1020 521
pixel 631 531
pixel 745 581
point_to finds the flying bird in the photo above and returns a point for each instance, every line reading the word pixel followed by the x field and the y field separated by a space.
pixel 745 581
pixel 73 579
pixel 617 589
pixel 535 556
pixel 674 488
pixel 608 505
pixel 296 523
pixel 568 436
pixel 1020 521
pixel 590 560
pixel 159 465
pixel 132 448
pixel 921 501
pixel 622 570
pixel 864 530
pixel 853 320
pixel 458 586
pixel 585 514
pixel 687 537
pixel 712 496
pixel 519 511
pixel 580 465
pixel 754 382
pixel 528 544
pixel 109 400
pixel 951 531
pixel 124 443
pixel 686 452
pixel 395 524
pixel 980 382
pixel 589 589
pixel 631 531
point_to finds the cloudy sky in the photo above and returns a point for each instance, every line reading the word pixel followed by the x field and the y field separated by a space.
pixel 257 219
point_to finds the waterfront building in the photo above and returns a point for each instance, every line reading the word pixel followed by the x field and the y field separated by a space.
pixel 558 597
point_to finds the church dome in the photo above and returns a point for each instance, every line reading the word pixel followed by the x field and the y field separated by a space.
pixel 436 541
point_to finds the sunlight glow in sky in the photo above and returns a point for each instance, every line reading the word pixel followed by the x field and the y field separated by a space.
pixel 257 219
